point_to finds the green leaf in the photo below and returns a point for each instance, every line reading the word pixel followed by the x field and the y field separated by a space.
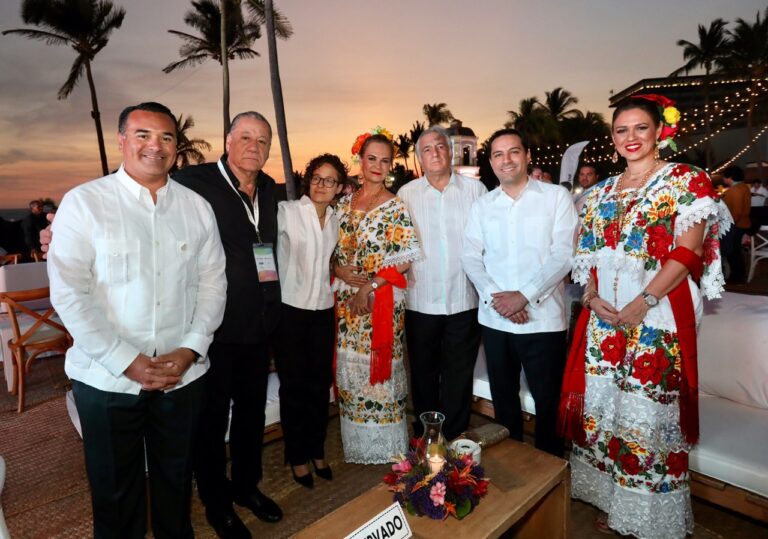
pixel 463 509
pixel 410 508
pixel 672 144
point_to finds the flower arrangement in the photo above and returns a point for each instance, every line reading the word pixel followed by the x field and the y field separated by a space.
pixel 670 117
pixel 358 145
pixel 454 490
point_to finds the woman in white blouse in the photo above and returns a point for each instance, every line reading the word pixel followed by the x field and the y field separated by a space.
pixel 307 235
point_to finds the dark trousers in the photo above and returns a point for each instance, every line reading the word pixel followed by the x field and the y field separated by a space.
pixel 117 427
pixel 239 374
pixel 305 367
pixel 542 357
pixel 442 350
pixel 731 250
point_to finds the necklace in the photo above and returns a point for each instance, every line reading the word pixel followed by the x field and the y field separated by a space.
pixel 371 200
pixel 624 204
pixel 356 223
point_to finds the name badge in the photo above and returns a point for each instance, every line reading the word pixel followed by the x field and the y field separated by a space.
pixel 264 255
pixel 389 524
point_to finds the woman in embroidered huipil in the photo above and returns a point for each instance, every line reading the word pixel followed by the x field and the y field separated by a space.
pixel 376 245
pixel 647 251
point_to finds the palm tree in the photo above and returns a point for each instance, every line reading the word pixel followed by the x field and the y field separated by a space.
pixel 535 122
pixel 188 150
pixel 84 25
pixel 586 125
pixel 403 144
pixel 416 130
pixel 712 46
pixel 437 113
pixel 557 102
pixel 271 18
pixel 205 17
pixel 748 56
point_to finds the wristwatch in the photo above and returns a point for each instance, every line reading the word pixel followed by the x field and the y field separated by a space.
pixel 649 299
pixel 374 284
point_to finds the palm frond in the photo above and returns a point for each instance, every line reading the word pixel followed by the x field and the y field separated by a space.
pixel 283 27
pixel 75 72
pixel 50 38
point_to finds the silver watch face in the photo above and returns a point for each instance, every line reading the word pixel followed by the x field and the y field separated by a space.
pixel 374 285
pixel 650 300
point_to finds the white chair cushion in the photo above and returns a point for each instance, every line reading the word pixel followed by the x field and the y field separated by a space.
pixel 732 446
pixel 733 349
pixel 14 277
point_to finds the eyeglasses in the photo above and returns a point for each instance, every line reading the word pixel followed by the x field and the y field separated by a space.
pixel 327 182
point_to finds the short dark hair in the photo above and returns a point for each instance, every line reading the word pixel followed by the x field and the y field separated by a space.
pixel 378 137
pixel 324 159
pixel 638 103
pixel 148 106
pixel 588 165
pixel 507 131
pixel 734 172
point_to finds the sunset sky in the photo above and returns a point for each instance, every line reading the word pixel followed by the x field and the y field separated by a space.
pixel 350 65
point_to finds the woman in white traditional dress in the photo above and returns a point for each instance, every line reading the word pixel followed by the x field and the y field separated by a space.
pixel 647 251
pixel 376 245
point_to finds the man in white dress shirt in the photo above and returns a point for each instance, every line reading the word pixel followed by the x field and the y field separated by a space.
pixel 136 272
pixel 441 328
pixel 518 246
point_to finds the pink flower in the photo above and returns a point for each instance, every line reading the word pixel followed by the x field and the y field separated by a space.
pixel 437 493
pixel 404 466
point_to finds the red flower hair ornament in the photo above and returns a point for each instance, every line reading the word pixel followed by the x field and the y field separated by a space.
pixel 670 118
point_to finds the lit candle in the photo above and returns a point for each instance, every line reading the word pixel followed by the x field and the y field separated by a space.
pixel 436 463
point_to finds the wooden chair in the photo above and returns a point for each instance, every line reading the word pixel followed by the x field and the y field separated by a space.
pixel 44 335
pixel 758 250
pixel 9 259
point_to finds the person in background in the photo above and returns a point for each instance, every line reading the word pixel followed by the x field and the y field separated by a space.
pixel 441 327
pixel 376 246
pixel 759 194
pixel 588 178
pixel 307 232
pixel 518 247
pixel 136 272
pixel 738 198
pixel 31 226
pixel 537 173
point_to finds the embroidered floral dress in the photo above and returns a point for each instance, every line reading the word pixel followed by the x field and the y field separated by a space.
pixel 634 465
pixel 373 427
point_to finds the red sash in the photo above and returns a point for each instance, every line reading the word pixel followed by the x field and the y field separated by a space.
pixel 570 421
pixel 383 333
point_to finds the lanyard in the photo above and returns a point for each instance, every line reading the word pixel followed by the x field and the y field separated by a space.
pixel 251 217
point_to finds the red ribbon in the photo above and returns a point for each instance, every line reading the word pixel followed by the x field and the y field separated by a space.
pixel 383 333
pixel 570 420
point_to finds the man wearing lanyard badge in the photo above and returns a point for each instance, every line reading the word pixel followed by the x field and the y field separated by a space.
pixel 243 201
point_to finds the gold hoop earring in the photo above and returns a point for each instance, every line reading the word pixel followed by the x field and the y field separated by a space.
pixel 615 157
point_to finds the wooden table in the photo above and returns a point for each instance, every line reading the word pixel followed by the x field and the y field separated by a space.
pixel 529 496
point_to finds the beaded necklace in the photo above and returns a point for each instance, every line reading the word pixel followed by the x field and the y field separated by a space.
pixel 356 221
pixel 623 208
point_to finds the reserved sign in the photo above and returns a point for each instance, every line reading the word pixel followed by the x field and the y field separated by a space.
pixel 389 524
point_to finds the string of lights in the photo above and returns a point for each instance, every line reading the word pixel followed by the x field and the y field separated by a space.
pixel 742 151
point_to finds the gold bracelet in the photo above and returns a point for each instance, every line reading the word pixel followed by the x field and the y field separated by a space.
pixel 587 298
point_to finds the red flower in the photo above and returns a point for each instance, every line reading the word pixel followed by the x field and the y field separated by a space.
pixel 677 463
pixel 701 186
pixel 673 380
pixel 390 478
pixel 641 221
pixel 611 234
pixel 481 488
pixel 359 143
pixel 667 338
pixel 667 132
pixel 711 249
pixel 650 367
pixel 630 463
pixel 680 170
pixel 614 347
pixel 659 241
pixel 613 448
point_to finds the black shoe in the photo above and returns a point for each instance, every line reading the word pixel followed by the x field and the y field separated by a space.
pixel 226 523
pixel 262 506
pixel 303 480
pixel 326 473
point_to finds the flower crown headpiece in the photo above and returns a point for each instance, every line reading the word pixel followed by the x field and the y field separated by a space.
pixel 670 118
pixel 360 140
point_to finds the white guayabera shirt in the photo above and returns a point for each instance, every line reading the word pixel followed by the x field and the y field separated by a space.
pixel 437 283
pixel 523 244
pixel 129 276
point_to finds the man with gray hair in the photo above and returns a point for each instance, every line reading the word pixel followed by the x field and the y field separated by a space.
pixel 243 201
pixel 441 327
